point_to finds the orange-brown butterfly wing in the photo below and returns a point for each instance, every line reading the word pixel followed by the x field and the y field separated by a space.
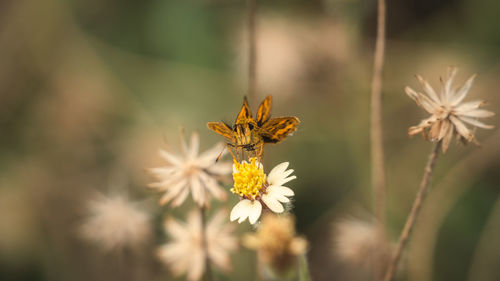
pixel 276 130
pixel 264 111
pixel 221 128
pixel 245 115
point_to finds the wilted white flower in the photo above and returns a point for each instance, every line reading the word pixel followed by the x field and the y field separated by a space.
pixel 251 185
pixel 361 245
pixel 187 252
pixel 276 243
pixel 449 113
pixel 116 222
pixel 191 172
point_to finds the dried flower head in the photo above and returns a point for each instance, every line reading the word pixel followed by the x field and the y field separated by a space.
pixel 276 242
pixel 198 173
pixel 448 111
pixel 255 189
pixel 115 222
pixel 361 244
pixel 187 252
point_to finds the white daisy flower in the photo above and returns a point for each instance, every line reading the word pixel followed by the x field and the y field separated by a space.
pixel 191 172
pixel 187 252
pixel 449 113
pixel 255 189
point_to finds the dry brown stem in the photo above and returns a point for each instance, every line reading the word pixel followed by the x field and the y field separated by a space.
pixel 377 149
pixel 457 181
pixel 410 221
pixel 252 50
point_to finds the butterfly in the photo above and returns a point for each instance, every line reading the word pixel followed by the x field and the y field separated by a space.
pixel 249 135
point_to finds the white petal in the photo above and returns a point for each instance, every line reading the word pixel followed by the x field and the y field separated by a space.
pixel 256 209
pixel 175 229
pixel 452 71
pixel 447 138
pixel 283 181
pixel 287 173
pixel 411 93
pixel 194 221
pixel 168 181
pixel 445 125
pixel 477 113
pixel 208 157
pixel 422 125
pixel 467 106
pixel 197 265
pixel 462 92
pixel 276 174
pixel 281 190
pixel 278 196
pixel 172 159
pixel 461 128
pixel 195 146
pixel 243 218
pixel 162 171
pixel 197 191
pixel 173 191
pixel 212 186
pixel 240 210
pixel 180 198
pixel 280 168
pixel 221 168
pixel 476 123
pixel 428 89
pixel 272 203
pixel 219 256
pixel 421 100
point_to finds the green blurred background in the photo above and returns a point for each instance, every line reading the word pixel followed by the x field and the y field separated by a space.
pixel 89 89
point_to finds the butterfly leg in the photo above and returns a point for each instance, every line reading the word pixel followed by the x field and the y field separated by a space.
pixel 230 149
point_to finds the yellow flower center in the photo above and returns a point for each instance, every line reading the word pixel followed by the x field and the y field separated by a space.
pixel 249 179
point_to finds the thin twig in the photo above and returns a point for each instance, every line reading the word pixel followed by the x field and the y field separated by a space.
pixel 457 181
pixel 252 50
pixel 208 271
pixel 377 149
pixel 410 221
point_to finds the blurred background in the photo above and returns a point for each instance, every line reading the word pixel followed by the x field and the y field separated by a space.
pixel 90 90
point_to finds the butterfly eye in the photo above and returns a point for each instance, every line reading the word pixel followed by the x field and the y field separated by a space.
pixel 250 125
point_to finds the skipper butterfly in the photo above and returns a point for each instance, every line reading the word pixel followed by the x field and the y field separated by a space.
pixel 249 134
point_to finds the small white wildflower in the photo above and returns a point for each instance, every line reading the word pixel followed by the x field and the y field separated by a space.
pixel 191 172
pixel 361 245
pixel 448 113
pixel 255 189
pixel 187 253
pixel 116 222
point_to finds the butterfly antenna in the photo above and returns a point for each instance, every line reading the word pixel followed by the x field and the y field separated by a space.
pixel 220 154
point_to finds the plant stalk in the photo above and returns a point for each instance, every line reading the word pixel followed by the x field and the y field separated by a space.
pixel 377 149
pixel 252 50
pixel 415 210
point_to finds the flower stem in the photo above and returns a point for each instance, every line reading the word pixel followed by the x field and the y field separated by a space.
pixel 208 269
pixel 377 150
pixel 303 268
pixel 415 210
pixel 252 49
